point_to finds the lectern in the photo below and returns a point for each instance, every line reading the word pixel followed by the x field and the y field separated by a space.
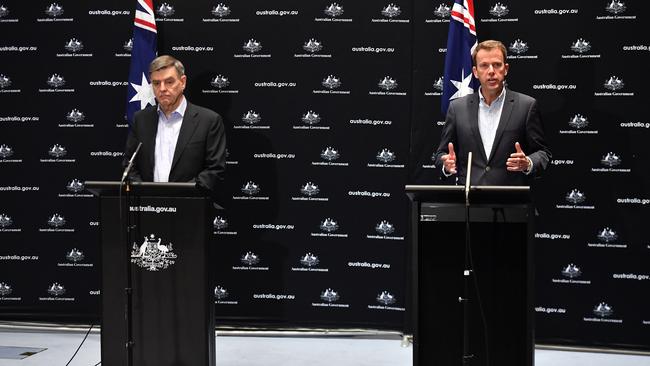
pixel 472 275
pixel 167 243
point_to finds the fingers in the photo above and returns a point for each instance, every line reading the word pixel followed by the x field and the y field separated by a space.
pixel 516 163
pixel 451 169
pixel 519 153
pixel 518 148
pixel 449 163
pixel 513 166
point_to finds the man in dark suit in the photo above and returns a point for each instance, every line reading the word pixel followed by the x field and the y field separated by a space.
pixel 502 128
pixel 181 142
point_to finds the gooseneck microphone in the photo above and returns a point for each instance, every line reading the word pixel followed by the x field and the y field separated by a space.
pixel 468 177
pixel 128 167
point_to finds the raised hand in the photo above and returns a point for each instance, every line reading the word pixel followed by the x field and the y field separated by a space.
pixel 449 160
pixel 517 162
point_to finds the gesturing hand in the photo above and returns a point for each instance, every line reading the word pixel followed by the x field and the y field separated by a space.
pixel 517 162
pixel 449 160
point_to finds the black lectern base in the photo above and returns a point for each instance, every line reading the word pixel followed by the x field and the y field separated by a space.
pixel 172 298
pixel 500 267
pixel 496 329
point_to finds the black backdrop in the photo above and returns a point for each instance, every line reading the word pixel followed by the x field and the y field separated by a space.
pixel 322 137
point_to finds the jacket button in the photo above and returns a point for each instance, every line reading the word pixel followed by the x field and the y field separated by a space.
pixel 487 168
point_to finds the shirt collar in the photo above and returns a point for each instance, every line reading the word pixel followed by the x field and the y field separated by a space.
pixel 499 99
pixel 180 110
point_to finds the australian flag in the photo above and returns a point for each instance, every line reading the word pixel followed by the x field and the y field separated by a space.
pixel 139 92
pixel 458 78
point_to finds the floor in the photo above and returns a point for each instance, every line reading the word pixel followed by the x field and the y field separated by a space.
pixel 267 349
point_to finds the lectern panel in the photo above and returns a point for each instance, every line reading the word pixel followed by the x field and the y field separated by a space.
pixel 472 276
pixel 173 311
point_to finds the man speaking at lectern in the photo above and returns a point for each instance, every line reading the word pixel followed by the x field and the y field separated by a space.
pixel 181 142
pixel 502 128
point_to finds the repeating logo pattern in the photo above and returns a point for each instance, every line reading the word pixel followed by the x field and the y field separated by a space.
pixel 165 10
pixel 250 259
pixel 575 197
pixel 56 220
pixel 607 235
pixel 6 151
pixel 362 144
pixel 220 10
pixel 442 11
pixel 54 10
pixel 329 225
pixel 56 81
pixel 220 293
pixel 571 271
pixel 5 221
pixel 334 10
pixel 603 310
pixel 4 11
pixel 5 81
pixel 5 289
pixel 75 255
pixel 220 82
pixel 386 298
pixel 57 151
pixel 309 260
pixel 56 289
pixel 329 295
pixel 499 10
pixel 74 45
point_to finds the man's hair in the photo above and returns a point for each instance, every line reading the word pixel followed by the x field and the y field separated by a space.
pixel 165 61
pixel 489 45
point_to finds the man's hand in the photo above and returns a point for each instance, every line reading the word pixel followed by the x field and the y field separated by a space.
pixel 518 162
pixel 449 160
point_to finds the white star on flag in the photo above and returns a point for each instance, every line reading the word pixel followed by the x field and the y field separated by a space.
pixel 144 93
pixel 462 86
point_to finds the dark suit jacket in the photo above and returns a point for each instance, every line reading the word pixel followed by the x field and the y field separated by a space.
pixel 520 122
pixel 200 154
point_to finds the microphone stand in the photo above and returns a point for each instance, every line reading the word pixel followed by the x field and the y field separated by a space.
pixel 128 289
pixel 467 272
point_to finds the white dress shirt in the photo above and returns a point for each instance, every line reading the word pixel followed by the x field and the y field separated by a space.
pixel 488 122
pixel 166 137
pixel 488 119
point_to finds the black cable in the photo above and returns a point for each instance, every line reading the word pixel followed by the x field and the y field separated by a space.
pixel 98 363
pixel 81 344
pixel 476 286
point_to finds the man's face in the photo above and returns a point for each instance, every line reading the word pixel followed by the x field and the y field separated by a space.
pixel 167 87
pixel 490 70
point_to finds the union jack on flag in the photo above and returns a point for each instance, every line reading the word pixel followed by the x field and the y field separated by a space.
pixel 139 92
pixel 461 41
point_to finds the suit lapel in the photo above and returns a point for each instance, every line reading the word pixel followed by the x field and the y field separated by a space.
pixel 151 134
pixel 506 112
pixel 188 127
pixel 473 108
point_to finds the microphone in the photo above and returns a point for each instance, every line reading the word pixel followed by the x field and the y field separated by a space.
pixel 128 167
pixel 468 177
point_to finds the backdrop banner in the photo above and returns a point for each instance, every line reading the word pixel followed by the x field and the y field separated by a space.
pixel 330 109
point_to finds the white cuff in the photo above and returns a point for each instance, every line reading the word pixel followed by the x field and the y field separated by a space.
pixel 530 166
pixel 444 172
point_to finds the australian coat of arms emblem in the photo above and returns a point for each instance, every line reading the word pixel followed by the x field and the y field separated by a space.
pixel 152 255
